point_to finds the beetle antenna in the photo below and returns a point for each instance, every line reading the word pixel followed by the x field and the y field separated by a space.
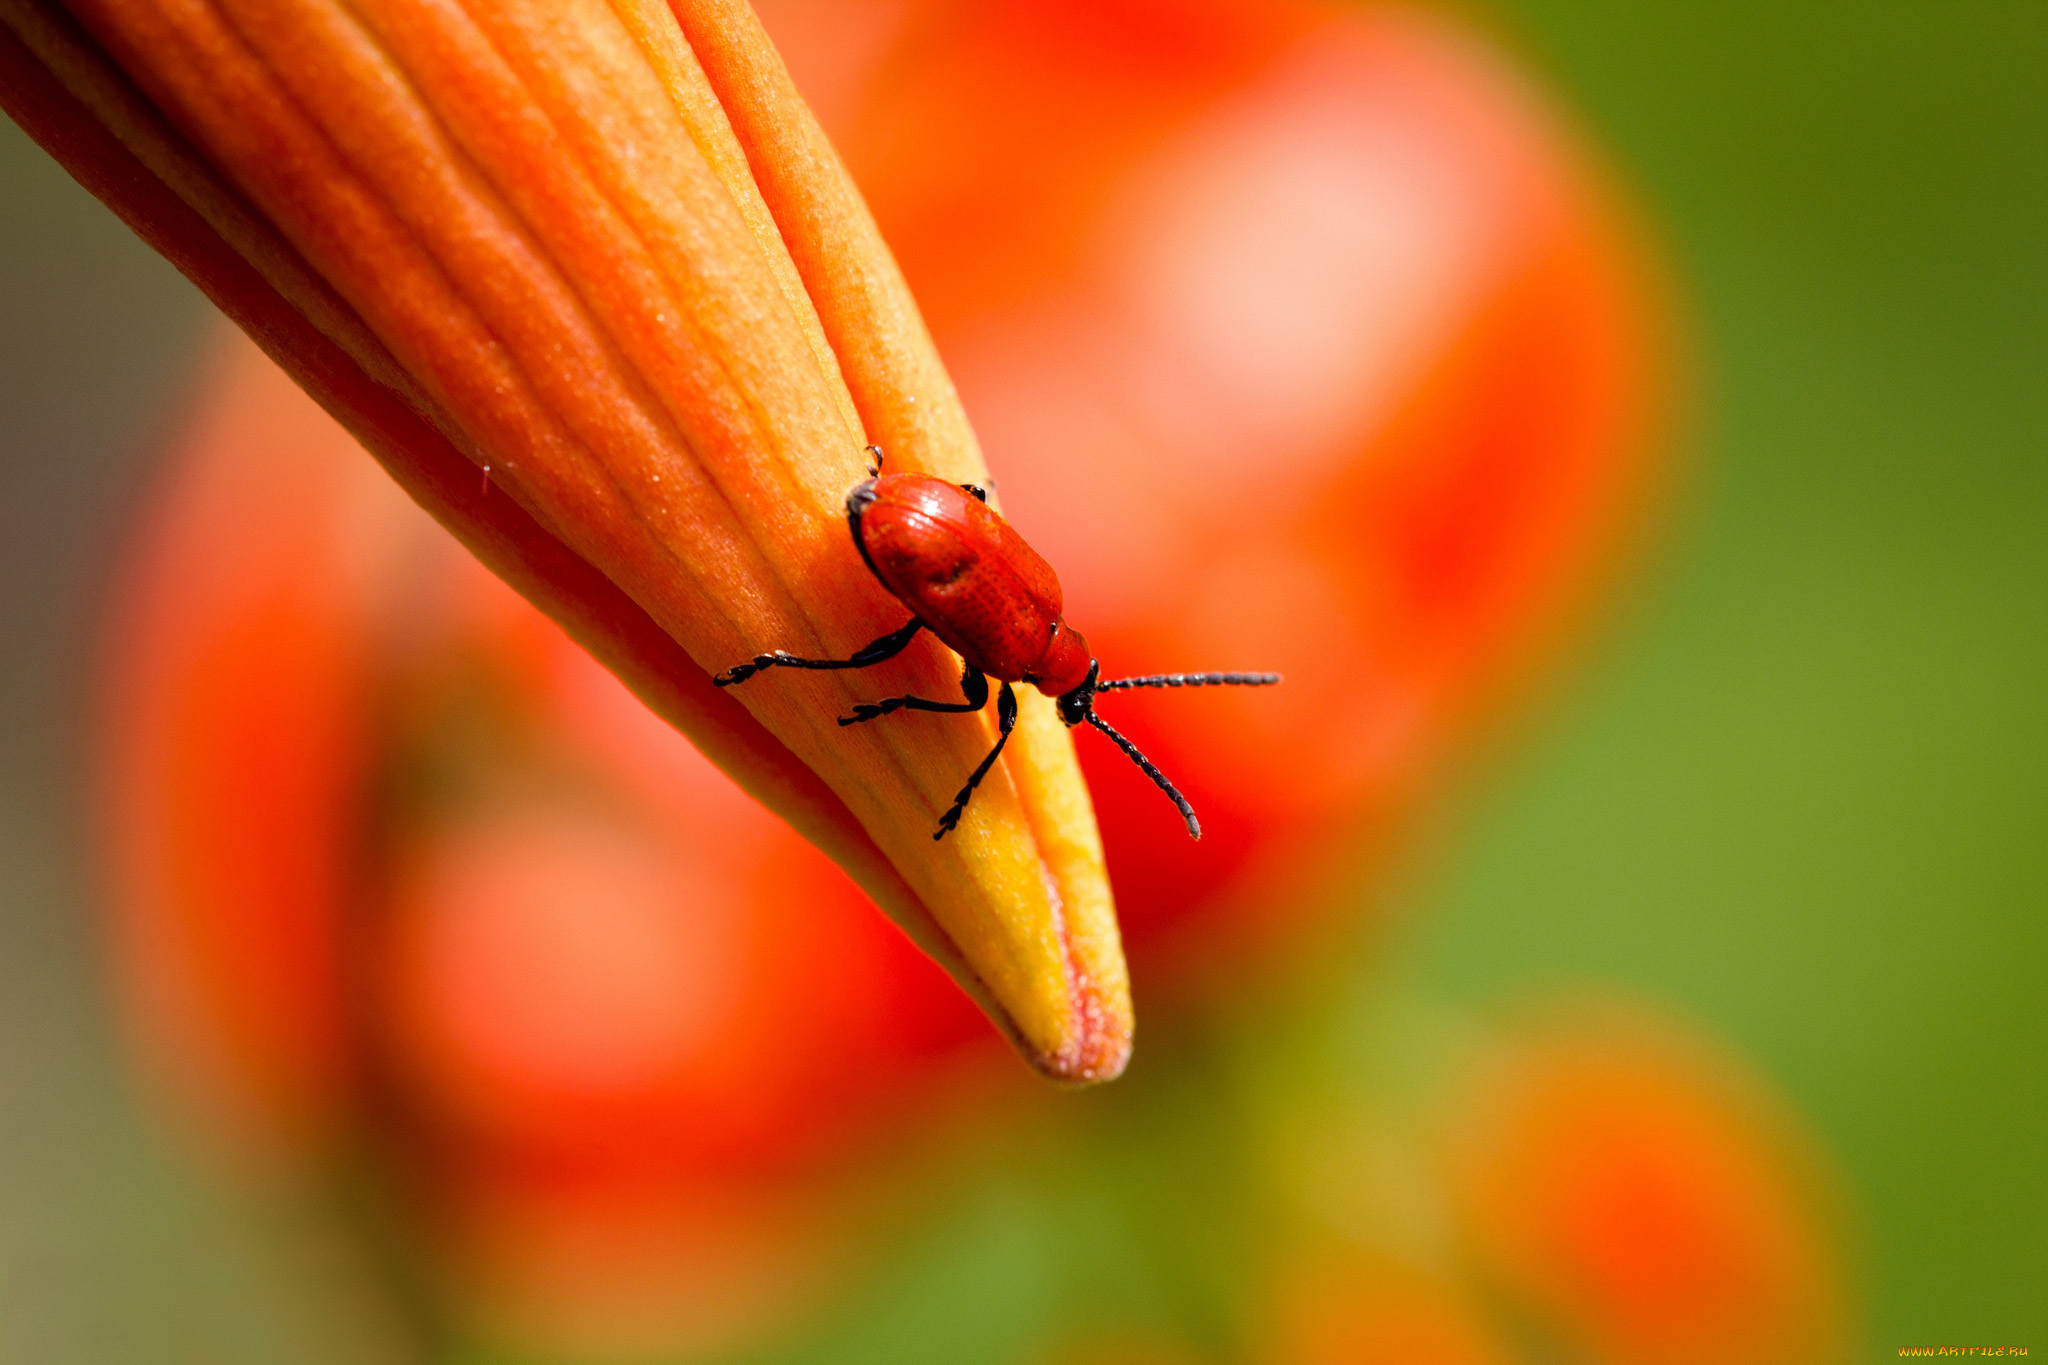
pixel 1191 680
pixel 875 469
pixel 1187 812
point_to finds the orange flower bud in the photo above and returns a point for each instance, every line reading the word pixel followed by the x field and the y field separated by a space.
pixel 1637 1195
pixel 592 286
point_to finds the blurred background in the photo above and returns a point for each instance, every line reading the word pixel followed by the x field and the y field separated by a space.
pixel 1626 430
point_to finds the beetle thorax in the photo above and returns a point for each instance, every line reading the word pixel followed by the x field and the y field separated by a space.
pixel 1065 662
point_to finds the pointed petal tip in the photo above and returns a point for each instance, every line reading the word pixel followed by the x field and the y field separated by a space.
pixel 1100 1047
pixel 1090 1061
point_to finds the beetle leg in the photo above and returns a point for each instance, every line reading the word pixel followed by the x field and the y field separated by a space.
pixel 874 652
pixel 973 686
pixel 1006 721
pixel 975 490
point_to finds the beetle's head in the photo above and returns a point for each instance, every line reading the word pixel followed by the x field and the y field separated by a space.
pixel 858 500
pixel 1076 702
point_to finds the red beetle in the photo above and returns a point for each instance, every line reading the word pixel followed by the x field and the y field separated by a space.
pixel 970 579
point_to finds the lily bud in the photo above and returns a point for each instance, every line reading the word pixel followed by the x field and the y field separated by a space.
pixel 590 283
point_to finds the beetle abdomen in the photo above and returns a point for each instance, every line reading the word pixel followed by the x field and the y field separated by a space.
pixel 969 600
pixel 959 566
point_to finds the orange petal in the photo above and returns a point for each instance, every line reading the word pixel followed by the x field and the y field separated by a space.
pixel 609 261
pixel 1627 1186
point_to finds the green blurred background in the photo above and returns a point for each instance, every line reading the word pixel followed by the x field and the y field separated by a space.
pixel 1800 792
